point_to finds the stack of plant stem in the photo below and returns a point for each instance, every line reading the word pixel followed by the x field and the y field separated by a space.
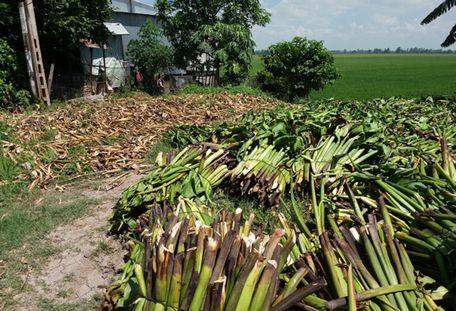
pixel 185 265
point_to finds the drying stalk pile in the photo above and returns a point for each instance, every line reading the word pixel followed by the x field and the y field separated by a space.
pixel 363 202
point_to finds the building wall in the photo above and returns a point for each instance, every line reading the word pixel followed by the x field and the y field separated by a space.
pixel 132 22
pixel 134 6
pixel 114 49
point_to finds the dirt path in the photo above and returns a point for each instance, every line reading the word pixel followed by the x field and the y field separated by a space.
pixel 88 259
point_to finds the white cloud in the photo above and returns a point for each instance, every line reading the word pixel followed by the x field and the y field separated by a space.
pixel 354 24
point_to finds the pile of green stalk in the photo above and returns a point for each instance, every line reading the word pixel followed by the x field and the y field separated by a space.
pixel 364 202
pixel 224 265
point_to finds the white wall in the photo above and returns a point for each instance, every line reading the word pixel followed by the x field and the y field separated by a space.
pixel 133 6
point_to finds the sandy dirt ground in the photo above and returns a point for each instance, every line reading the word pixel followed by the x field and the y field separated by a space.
pixel 89 258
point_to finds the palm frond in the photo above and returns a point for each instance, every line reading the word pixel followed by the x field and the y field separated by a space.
pixel 438 11
pixel 451 38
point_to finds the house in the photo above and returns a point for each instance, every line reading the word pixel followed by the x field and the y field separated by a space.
pixel 110 62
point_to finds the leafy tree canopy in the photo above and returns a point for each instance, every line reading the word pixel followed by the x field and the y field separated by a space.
pixel 194 27
pixel 294 69
pixel 227 44
pixel 148 53
pixel 60 23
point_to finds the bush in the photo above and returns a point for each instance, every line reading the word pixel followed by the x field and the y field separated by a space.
pixel 294 69
pixel 9 96
pixel 149 54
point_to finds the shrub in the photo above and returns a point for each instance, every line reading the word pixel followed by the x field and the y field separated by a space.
pixel 148 53
pixel 294 69
pixel 9 96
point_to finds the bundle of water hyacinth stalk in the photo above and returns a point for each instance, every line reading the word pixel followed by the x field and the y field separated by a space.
pixel 361 218
pixel 224 265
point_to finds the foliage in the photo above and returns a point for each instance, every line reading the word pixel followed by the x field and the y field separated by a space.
pixel 444 7
pixel 383 124
pixel 62 23
pixel 148 53
pixel 222 28
pixel 60 26
pixel 229 45
pixel 9 95
pixel 295 68
pixel 369 76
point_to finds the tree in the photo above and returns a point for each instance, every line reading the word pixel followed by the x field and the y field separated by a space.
pixel 294 69
pixel 194 27
pixel 444 7
pixel 60 23
pixel 148 53
pixel 9 95
pixel 229 45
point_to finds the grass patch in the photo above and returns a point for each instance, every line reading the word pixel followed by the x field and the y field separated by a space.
pixel 76 151
pixel 108 141
pixel 5 131
pixel 25 221
pixel 48 135
pixel 19 222
pixel 256 66
pixel 239 89
pixel 86 305
pixel 8 169
pixel 103 248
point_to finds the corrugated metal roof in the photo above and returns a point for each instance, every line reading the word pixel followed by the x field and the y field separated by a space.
pixel 145 7
pixel 116 29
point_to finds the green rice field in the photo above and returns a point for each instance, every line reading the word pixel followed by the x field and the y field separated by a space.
pixel 367 76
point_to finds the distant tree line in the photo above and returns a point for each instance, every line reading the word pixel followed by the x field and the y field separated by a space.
pixel 398 50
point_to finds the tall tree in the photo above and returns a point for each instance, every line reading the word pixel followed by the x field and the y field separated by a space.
pixel 230 45
pixel 444 7
pixel 190 26
pixel 61 23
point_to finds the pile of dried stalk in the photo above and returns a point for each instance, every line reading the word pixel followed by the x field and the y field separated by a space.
pixel 111 136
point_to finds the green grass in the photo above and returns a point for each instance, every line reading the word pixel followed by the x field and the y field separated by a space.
pixel 25 221
pixel 239 89
pixel 161 145
pixel 256 66
pixel 368 76
pixel 85 305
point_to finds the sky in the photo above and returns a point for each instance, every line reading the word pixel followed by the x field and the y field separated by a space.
pixel 355 24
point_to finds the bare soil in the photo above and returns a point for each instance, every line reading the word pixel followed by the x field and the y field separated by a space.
pixel 89 258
